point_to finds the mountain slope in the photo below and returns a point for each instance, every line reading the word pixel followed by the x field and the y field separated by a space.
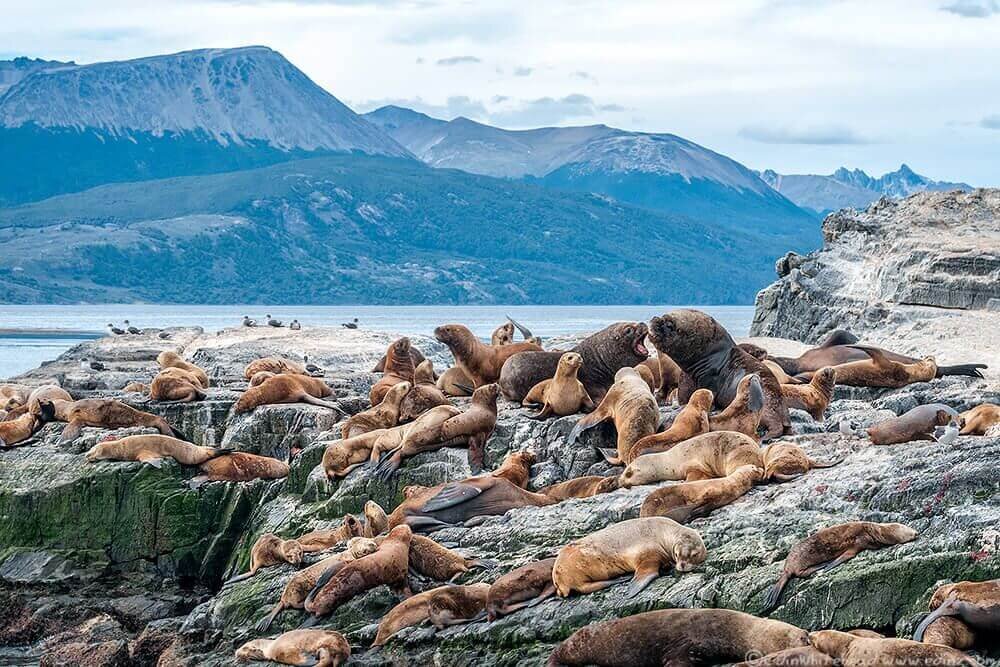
pixel 12 71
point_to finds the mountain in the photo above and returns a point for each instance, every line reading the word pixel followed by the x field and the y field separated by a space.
pixel 351 228
pixel 658 171
pixel 852 189
pixel 65 128
pixel 12 71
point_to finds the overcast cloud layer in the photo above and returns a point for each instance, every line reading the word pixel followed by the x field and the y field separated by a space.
pixel 800 86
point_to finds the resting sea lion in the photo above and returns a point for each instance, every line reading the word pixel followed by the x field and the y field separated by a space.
pixel 503 334
pixel 829 547
pixel 800 656
pixel 813 397
pixel 633 408
pixel 442 606
pixel 137 388
pixel 152 449
pixel 516 468
pixel 961 613
pixel 881 371
pixel 480 362
pixel 240 467
pixel 706 456
pixel 638 546
pixel 979 419
pixel 677 638
pixel 322 648
pixel 12 395
pixel 422 435
pixel 784 462
pixel 343 456
pixel 107 413
pixel 286 388
pixel 854 651
pixel 51 393
pixel 398 368
pixel 416 356
pixel 321 540
pixel 693 500
pixel 707 354
pixel 915 424
pixel 580 487
pixel 13 431
pixel 784 378
pixel 170 359
pixel 563 394
pixel 423 395
pixel 273 365
pixel 383 415
pixel 268 550
pixel 603 353
pixel 692 420
pixel 524 587
pixel 454 382
pixel 176 384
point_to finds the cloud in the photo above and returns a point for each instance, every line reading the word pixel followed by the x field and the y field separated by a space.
pixel 482 28
pixel 828 135
pixel 458 60
pixel 991 122
pixel 107 34
pixel 612 107
pixel 586 76
pixel 973 9
pixel 545 111
pixel 523 71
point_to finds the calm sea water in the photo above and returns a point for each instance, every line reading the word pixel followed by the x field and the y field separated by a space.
pixel 68 325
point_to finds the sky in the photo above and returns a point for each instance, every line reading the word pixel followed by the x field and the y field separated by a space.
pixel 798 86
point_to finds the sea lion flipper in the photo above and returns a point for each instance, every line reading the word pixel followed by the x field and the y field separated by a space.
pixel 155 461
pixel 774 595
pixel 265 623
pixel 541 414
pixel 639 583
pixel 755 399
pixel 968 370
pixel 323 580
pixel 312 400
pixel 877 355
pixel 610 455
pixel 589 421
pixel 520 327
pixel 827 464
pixel 71 432
pixel 947 608
pixel 450 495
pixel 425 524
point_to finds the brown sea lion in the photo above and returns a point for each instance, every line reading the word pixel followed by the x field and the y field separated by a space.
pixel 321 540
pixel 389 565
pixel 524 587
pixel 177 385
pixel 416 356
pixel 784 461
pixel 286 388
pixel 268 550
pixel 259 377
pixel 407 440
pixel 343 456
pixel 19 429
pixel 398 368
pixel 240 467
pixel 274 365
pixel 383 415
pixel 646 375
pixel 915 424
pixel 666 375
pixel 137 388
pixel 321 648
pixel 442 606
pixel 709 356
pixel 829 547
pixel 580 487
pixel 784 378
pixel 604 353
pixel 438 562
pixel 881 371
pixel 51 393
pixel 637 546
pixel 692 420
pixel 106 413
pixel 482 363
pixel 800 656
pixel 693 500
pixel 813 397
pixel 454 382
pixel 979 419
pixel 423 395
pixel 563 394
pixel 12 395
pixel 152 449
pixel 503 334
pixel 962 613
pixel 170 359
pixel 516 468
pixel 707 456
pixel 632 407
pixel 677 638
pixel 854 651
pixel 744 413
pixel 376 521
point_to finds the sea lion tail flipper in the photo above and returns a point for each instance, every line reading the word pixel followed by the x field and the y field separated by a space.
pixel 175 433
pixel 755 400
pixel 265 623
pixel 322 581
pixel 839 337
pixel 610 455
pixel 450 495
pixel 71 432
pixel 877 355
pixel 774 595
pixel 541 414
pixel 312 400
pixel 520 327
pixel 947 608
pixel 239 577
pixel 639 583
pixel 425 524
pixel 587 422
pixel 968 370
pixel 464 387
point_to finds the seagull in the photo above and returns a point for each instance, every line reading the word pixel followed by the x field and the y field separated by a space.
pixel 848 428
pixel 115 331
pixel 163 335
pixel 351 325
pixel 312 369
pixel 273 322
pixel 247 322
pixel 97 366
pixel 131 329
pixel 947 434
pixel 295 325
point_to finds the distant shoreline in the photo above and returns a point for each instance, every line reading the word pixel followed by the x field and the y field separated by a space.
pixel 49 333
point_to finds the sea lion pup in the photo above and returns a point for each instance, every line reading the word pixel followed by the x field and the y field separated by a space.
pixel 646 375
pixel 320 540
pixel 829 547
pixel 274 365
pixel 152 449
pixel 632 407
pixel 692 420
pixel 109 413
pixel 423 394
pixel 450 604
pixel 979 419
pixel 503 334
pixel 678 638
pixel 666 375
pixel 881 371
pixel 526 586
pixel 744 413
pixel 51 393
pixel 706 456
pixel 961 613
pixel 398 368
pixel 376 521
pixel 19 429
pixel 389 565
pixel 177 385
pixel 433 560
pixel 637 546
pixel 454 382
pixel 415 355
pixel 136 387
pixel 693 500
pixel 709 356
pixel 800 656
pixel 285 388
pixel 580 487
pixel 853 651
pixel 516 468
pixel 240 467
pixel 563 394
pixel 482 363
pixel 170 359
pixel 604 353
pixel 813 397
pixel 321 648
pixel 784 461
pixel 915 424
pixel 383 415
pixel 268 550
pixel 343 456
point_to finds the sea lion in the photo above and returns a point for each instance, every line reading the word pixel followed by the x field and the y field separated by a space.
pixel 51 393
pixel 879 370
pixel 979 419
pixel 389 565
pixel 441 606
pixel 961 613
pixel 268 550
pixel 709 356
pixel 693 500
pixel 638 546
pixel 524 587
pixel 12 395
pixel 482 363
pixel 854 651
pixel 436 561
pixel 829 547
pixel 322 648
pixel 580 487
pixel 260 376
pixel 108 413
pixel 800 656
pixel 813 397
pixel 706 456
pixel 633 408
pixel 343 456
pixel 563 394
pixel 381 416
pixel 376 521
pixel 423 394
pixel 783 378
pixel 152 449
pixel 604 353
pixel 646 375
pixel 422 435
pixel 177 385
pixel 692 420
pixel 240 467
pixel 398 368
pixel 136 387
pixel 915 424
pixel 454 382
pixel 19 429
pixel 321 540
pixel 677 638
pixel 503 334
pixel 784 461
pixel 416 356
pixel 286 388
pixel 170 359
pixel 744 413
pixel 516 468
pixel 274 365
pixel 666 375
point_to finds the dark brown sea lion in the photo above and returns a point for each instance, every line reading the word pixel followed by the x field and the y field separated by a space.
pixel 274 365
pixel 441 606
pixel 321 648
pixel 268 550
pixel 152 449
pixel 707 354
pixel 286 388
pixel 482 363
pixel 516 468
pixel 854 651
pixel 881 371
pixel 961 614
pixel 677 638
pixel 707 456
pixel 436 561
pixel 416 356
pixel 398 368
pixel 784 461
pixel 693 500
pixel 829 547
pixel 170 359
pixel 692 420
pixel 178 385
pixel 915 424
pixel 108 413
pixel 604 353
pixel 580 487
pixel 383 415
pixel 423 395
pixel 813 397
pixel 632 407
pixel 562 394
pixel 666 375
pixel 240 467
pixel 979 419
pixel 640 547
pixel 524 587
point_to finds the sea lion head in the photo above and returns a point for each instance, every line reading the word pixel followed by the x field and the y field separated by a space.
pixel 627 373
pixel 569 362
pixel 630 336
pixel 832 642
pixel 522 458
pixel 401 347
pixel 292 551
pixel 359 547
pixel 826 377
pixel 100 451
pixel 897 533
pixel 942 418
pixel 641 471
pixel 702 399
pixel 687 336
pixel 259 377
pixel 689 551
pixel 401 533
pixel 486 395
pixel 424 372
pixel 456 336
pixel 375 518
pixel 784 461
pixel 45 412
pixel 353 526
pixel 253 650
pixel 397 392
